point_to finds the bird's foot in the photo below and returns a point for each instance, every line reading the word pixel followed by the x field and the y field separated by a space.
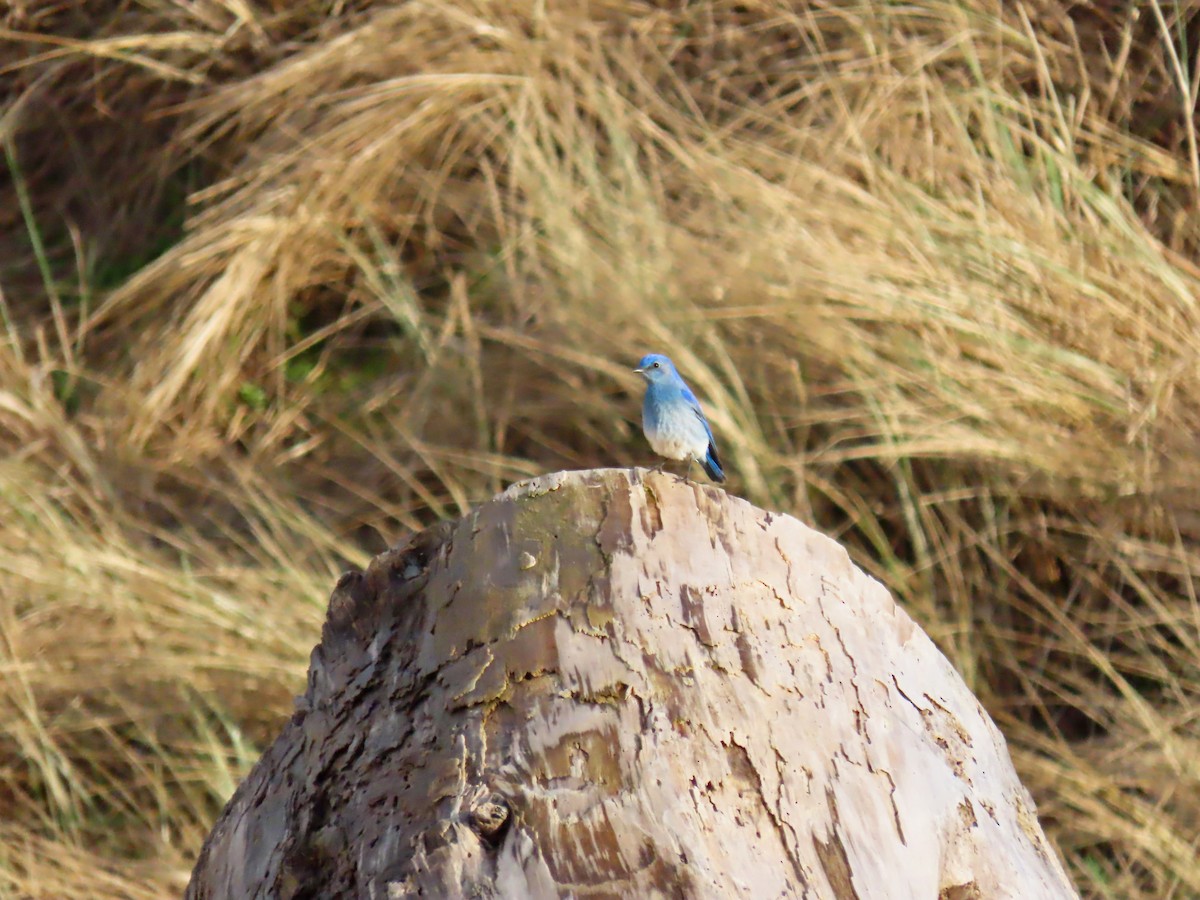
pixel 687 473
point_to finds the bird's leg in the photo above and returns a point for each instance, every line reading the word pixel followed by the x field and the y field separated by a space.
pixel 687 472
pixel 659 467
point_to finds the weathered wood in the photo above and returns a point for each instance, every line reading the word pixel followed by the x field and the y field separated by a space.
pixel 616 684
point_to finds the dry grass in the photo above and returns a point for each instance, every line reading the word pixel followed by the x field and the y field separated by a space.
pixel 932 265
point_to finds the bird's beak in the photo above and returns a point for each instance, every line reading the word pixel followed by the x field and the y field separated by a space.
pixel 640 371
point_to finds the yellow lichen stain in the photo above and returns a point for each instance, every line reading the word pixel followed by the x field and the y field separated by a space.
pixel 525 623
pixel 534 639
pixel 599 617
pixel 585 757
pixel 1027 819
pixel 966 813
pixel 608 695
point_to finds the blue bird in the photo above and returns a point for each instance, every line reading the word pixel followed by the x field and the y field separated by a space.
pixel 672 419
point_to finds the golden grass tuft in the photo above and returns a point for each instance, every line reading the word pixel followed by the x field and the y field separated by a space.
pixel 281 281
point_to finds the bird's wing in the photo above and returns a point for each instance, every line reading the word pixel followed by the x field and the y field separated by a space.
pixel 690 398
pixel 691 401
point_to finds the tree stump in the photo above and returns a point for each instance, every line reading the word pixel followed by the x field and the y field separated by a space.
pixel 616 684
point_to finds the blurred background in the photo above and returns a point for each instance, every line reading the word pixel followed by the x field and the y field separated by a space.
pixel 281 282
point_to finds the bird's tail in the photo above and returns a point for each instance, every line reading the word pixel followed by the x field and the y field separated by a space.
pixel 712 464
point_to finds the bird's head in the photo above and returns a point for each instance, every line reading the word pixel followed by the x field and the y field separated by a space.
pixel 655 367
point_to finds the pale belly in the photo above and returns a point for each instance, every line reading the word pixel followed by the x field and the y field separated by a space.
pixel 675 447
pixel 675 433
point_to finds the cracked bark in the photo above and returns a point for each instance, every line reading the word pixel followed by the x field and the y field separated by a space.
pixel 615 684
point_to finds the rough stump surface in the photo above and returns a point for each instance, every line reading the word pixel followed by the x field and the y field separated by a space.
pixel 616 684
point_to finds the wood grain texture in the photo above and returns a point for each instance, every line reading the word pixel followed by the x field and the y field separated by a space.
pixel 615 684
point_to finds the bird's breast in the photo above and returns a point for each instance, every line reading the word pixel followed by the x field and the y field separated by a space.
pixel 674 430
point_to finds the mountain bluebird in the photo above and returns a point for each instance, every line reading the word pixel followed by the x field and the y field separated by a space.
pixel 672 419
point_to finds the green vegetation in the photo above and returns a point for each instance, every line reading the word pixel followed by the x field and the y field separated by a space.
pixel 932 266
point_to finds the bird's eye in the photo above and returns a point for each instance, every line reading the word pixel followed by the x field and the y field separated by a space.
pixel 656 365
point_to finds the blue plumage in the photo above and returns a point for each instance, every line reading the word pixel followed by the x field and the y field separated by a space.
pixel 672 419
